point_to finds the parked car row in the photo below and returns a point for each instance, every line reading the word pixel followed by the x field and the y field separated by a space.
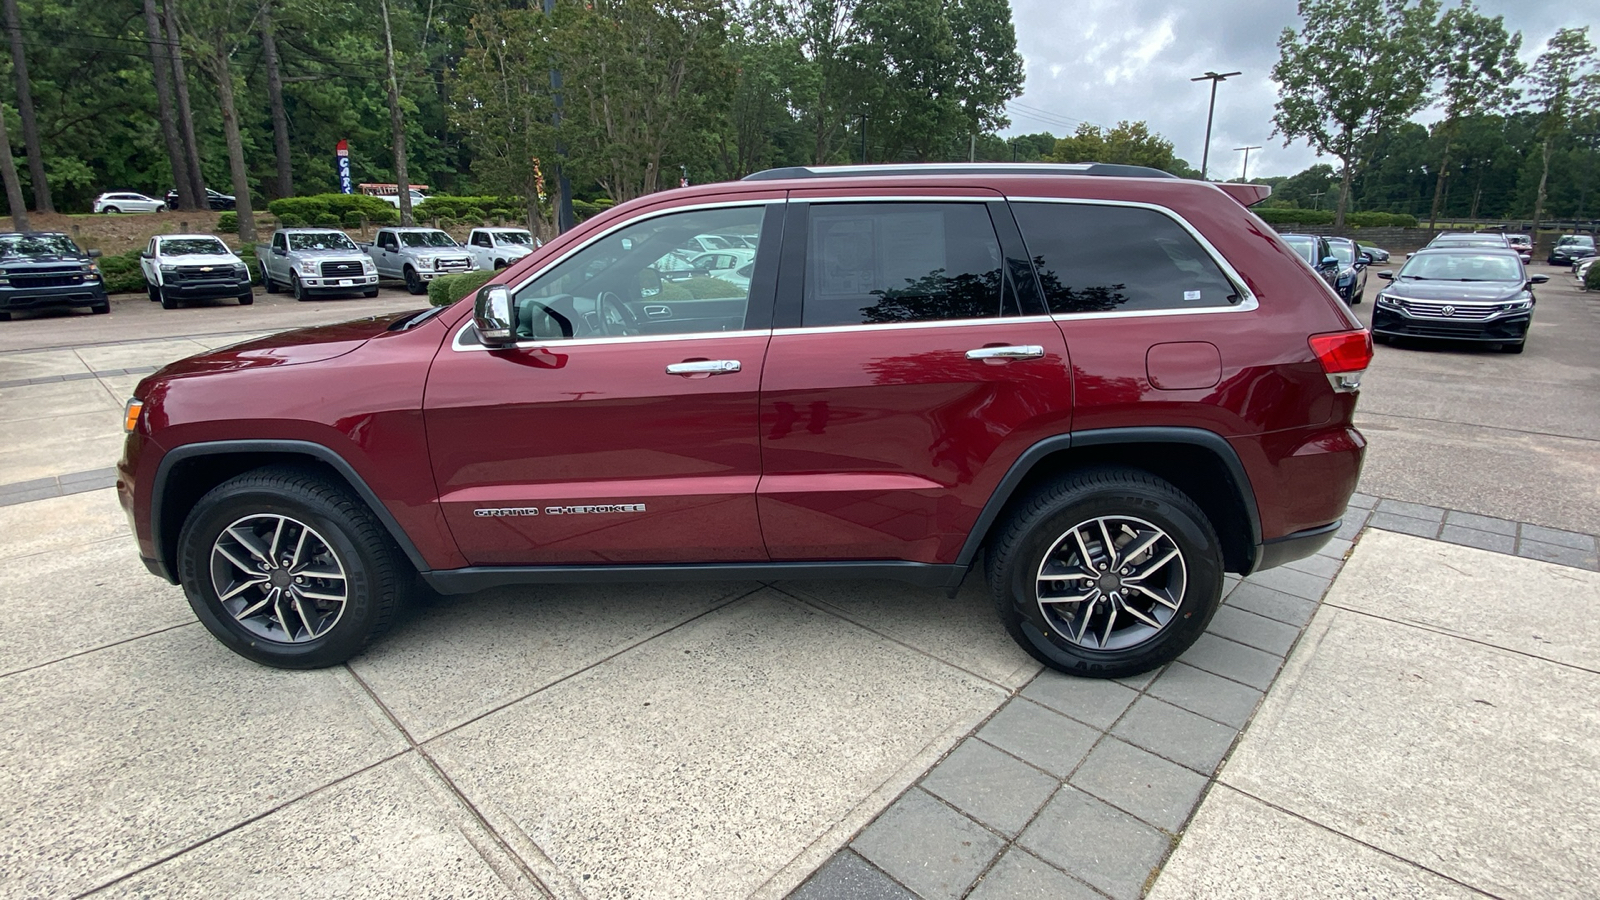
pixel 1339 261
pixel 1461 287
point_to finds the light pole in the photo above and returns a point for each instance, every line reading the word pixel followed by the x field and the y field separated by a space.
pixel 1213 77
pixel 1245 175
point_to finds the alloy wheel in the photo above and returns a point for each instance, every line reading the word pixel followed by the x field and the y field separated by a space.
pixel 278 578
pixel 1111 583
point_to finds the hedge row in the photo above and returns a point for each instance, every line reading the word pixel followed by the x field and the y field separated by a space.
pixel 447 289
pixel 477 210
pixel 1273 216
pixel 332 211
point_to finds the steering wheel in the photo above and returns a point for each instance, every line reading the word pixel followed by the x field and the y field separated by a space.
pixel 615 317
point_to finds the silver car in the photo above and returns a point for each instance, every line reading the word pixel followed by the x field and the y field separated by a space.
pixel 125 202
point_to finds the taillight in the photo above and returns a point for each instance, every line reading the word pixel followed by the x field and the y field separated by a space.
pixel 1344 356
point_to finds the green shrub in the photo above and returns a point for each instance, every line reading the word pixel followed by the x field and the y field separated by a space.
pixel 319 208
pixel 1294 216
pixel 1380 220
pixel 1591 281
pixel 327 220
pixel 700 287
pixel 447 289
pixel 476 216
pixel 353 219
pixel 121 273
pixel 290 220
pixel 228 222
pixel 389 215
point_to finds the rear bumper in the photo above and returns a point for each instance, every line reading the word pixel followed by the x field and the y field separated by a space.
pixel 1295 546
pixel 38 298
pixel 1501 329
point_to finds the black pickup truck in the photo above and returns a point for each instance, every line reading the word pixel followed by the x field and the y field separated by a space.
pixel 40 269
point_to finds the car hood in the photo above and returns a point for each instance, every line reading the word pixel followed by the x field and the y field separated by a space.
pixel 305 345
pixel 201 259
pixel 329 254
pixel 1468 291
pixel 13 262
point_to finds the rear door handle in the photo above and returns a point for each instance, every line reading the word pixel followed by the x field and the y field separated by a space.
pixel 704 367
pixel 1021 351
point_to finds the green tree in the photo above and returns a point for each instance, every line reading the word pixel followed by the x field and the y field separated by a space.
pixel 1129 143
pixel 1356 69
pixel 1478 68
pixel 1566 87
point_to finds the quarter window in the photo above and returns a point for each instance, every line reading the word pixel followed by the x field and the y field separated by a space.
pixel 1094 258
pixel 877 263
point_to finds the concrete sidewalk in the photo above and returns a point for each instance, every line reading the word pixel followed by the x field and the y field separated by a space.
pixel 1436 733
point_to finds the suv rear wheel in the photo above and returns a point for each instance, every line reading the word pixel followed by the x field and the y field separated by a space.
pixel 1106 573
pixel 290 570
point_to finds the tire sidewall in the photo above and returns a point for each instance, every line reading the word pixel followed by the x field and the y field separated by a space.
pixel 229 503
pixel 1203 580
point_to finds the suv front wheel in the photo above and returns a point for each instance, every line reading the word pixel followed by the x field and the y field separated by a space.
pixel 1106 573
pixel 290 570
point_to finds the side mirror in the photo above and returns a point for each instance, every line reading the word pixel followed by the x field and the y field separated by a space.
pixel 1538 279
pixel 1387 274
pixel 94 254
pixel 1330 261
pixel 145 255
pixel 494 317
pixel 1367 259
pixel 279 251
pixel 649 282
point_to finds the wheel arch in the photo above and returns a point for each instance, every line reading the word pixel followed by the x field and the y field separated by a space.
pixel 187 473
pixel 1200 463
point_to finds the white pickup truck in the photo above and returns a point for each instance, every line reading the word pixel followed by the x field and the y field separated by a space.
pixel 417 255
pixel 322 260
pixel 496 248
pixel 179 267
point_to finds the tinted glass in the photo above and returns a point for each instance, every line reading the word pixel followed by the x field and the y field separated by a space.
pixel 180 246
pixel 1113 258
pixel 427 239
pixel 524 238
pixel 1343 252
pixel 321 240
pixel 875 263
pixel 1463 267
pixel 637 281
pixel 1306 247
pixel 37 245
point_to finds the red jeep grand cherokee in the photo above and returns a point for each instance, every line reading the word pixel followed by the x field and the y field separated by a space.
pixel 1116 384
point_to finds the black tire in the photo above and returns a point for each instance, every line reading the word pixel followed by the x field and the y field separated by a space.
pixel 499 264
pixel 102 308
pixel 155 293
pixel 110 210
pixel 297 289
pixel 414 282
pixel 1048 517
pixel 161 207
pixel 377 577
pixel 370 292
pixel 1356 300
pixel 247 298
pixel 266 280
pixel 5 316
pixel 169 302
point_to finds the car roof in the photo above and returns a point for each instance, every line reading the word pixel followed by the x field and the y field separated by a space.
pixel 1471 250
pixel 311 229
pixel 169 237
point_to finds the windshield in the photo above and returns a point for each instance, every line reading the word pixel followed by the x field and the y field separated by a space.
pixel 426 239
pixel 1303 246
pixel 182 246
pixel 1576 239
pixel 321 240
pixel 1342 252
pixel 37 245
pixel 525 238
pixel 1462 267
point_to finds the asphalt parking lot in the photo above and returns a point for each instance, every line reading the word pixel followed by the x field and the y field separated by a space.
pixel 715 740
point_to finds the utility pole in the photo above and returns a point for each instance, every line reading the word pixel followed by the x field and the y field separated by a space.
pixel 863 139
pixel 565 218
pixel 972 147
pixel 1245 175
pixel 1213 77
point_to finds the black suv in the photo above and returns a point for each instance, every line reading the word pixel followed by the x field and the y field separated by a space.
pixel 41 268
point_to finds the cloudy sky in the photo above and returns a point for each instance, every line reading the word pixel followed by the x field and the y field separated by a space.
pixel 1102 61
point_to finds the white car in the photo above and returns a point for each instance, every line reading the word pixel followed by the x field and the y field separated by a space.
pixel 706 243
pixel 127 201
pixel 394 199
pixel 724 264
pixel 496 248
pixel 180 267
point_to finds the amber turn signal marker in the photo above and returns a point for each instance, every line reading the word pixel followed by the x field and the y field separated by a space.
pixel 131 413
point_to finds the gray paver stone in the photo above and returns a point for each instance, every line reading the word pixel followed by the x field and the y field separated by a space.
pixel 1231 659
pixel 1106 847
pixel 1264 601
pixel 1212 696
pixel 1337 548
pixel 1091 700
pixel 19 487
pixel 849 877
pixel 1019 875
pixel 1555 553
pixel 1254 630
pixel 1140 681
pixel 990 786
pixel 1040 736
pixel 928 846
pixel 1354 520
pixel 1433 514
pixel 1161 793
pixel 1316 564
pixel 43 493
pixel 1300 584
pixel 1560 538
pixel 1359 500
pixel 1404 524
pixel 1483 540
pixel 1176 734
pixel 1480 523
pixel 91 475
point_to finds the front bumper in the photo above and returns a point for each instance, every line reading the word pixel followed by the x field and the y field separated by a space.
pixel 207 289
pixel 87 294
pixel 357 282
pixel 1508 328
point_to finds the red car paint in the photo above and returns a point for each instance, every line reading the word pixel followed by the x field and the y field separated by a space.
pixel 846 444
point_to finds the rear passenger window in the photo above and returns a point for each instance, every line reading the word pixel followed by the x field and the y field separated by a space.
pixel 1115 258
pixel 875 263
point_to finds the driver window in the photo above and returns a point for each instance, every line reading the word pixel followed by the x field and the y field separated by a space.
pixel 639 281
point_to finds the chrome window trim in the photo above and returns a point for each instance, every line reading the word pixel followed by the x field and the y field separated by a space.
pixel 466 339
pixel 900 326
pixel 1247 302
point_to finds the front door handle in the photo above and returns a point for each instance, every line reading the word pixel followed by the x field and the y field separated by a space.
pixel 704 367
pixel 1021 351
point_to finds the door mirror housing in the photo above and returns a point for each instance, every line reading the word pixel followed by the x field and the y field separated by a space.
pixel 1387 274
pixel 94 254
pixel 279 251
pixel 494 316
pixel 145 255
pixel 1538 279
pixel 1331 262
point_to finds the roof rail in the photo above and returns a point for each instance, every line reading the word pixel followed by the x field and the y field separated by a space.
pixel 1103 169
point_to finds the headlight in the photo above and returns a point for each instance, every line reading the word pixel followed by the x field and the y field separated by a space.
pixel 1386 300
pixel 1523 300
pixel 367 265
pixel 169 269
pixel 308 267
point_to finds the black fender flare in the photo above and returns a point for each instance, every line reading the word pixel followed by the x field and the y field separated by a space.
pixel 322 454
